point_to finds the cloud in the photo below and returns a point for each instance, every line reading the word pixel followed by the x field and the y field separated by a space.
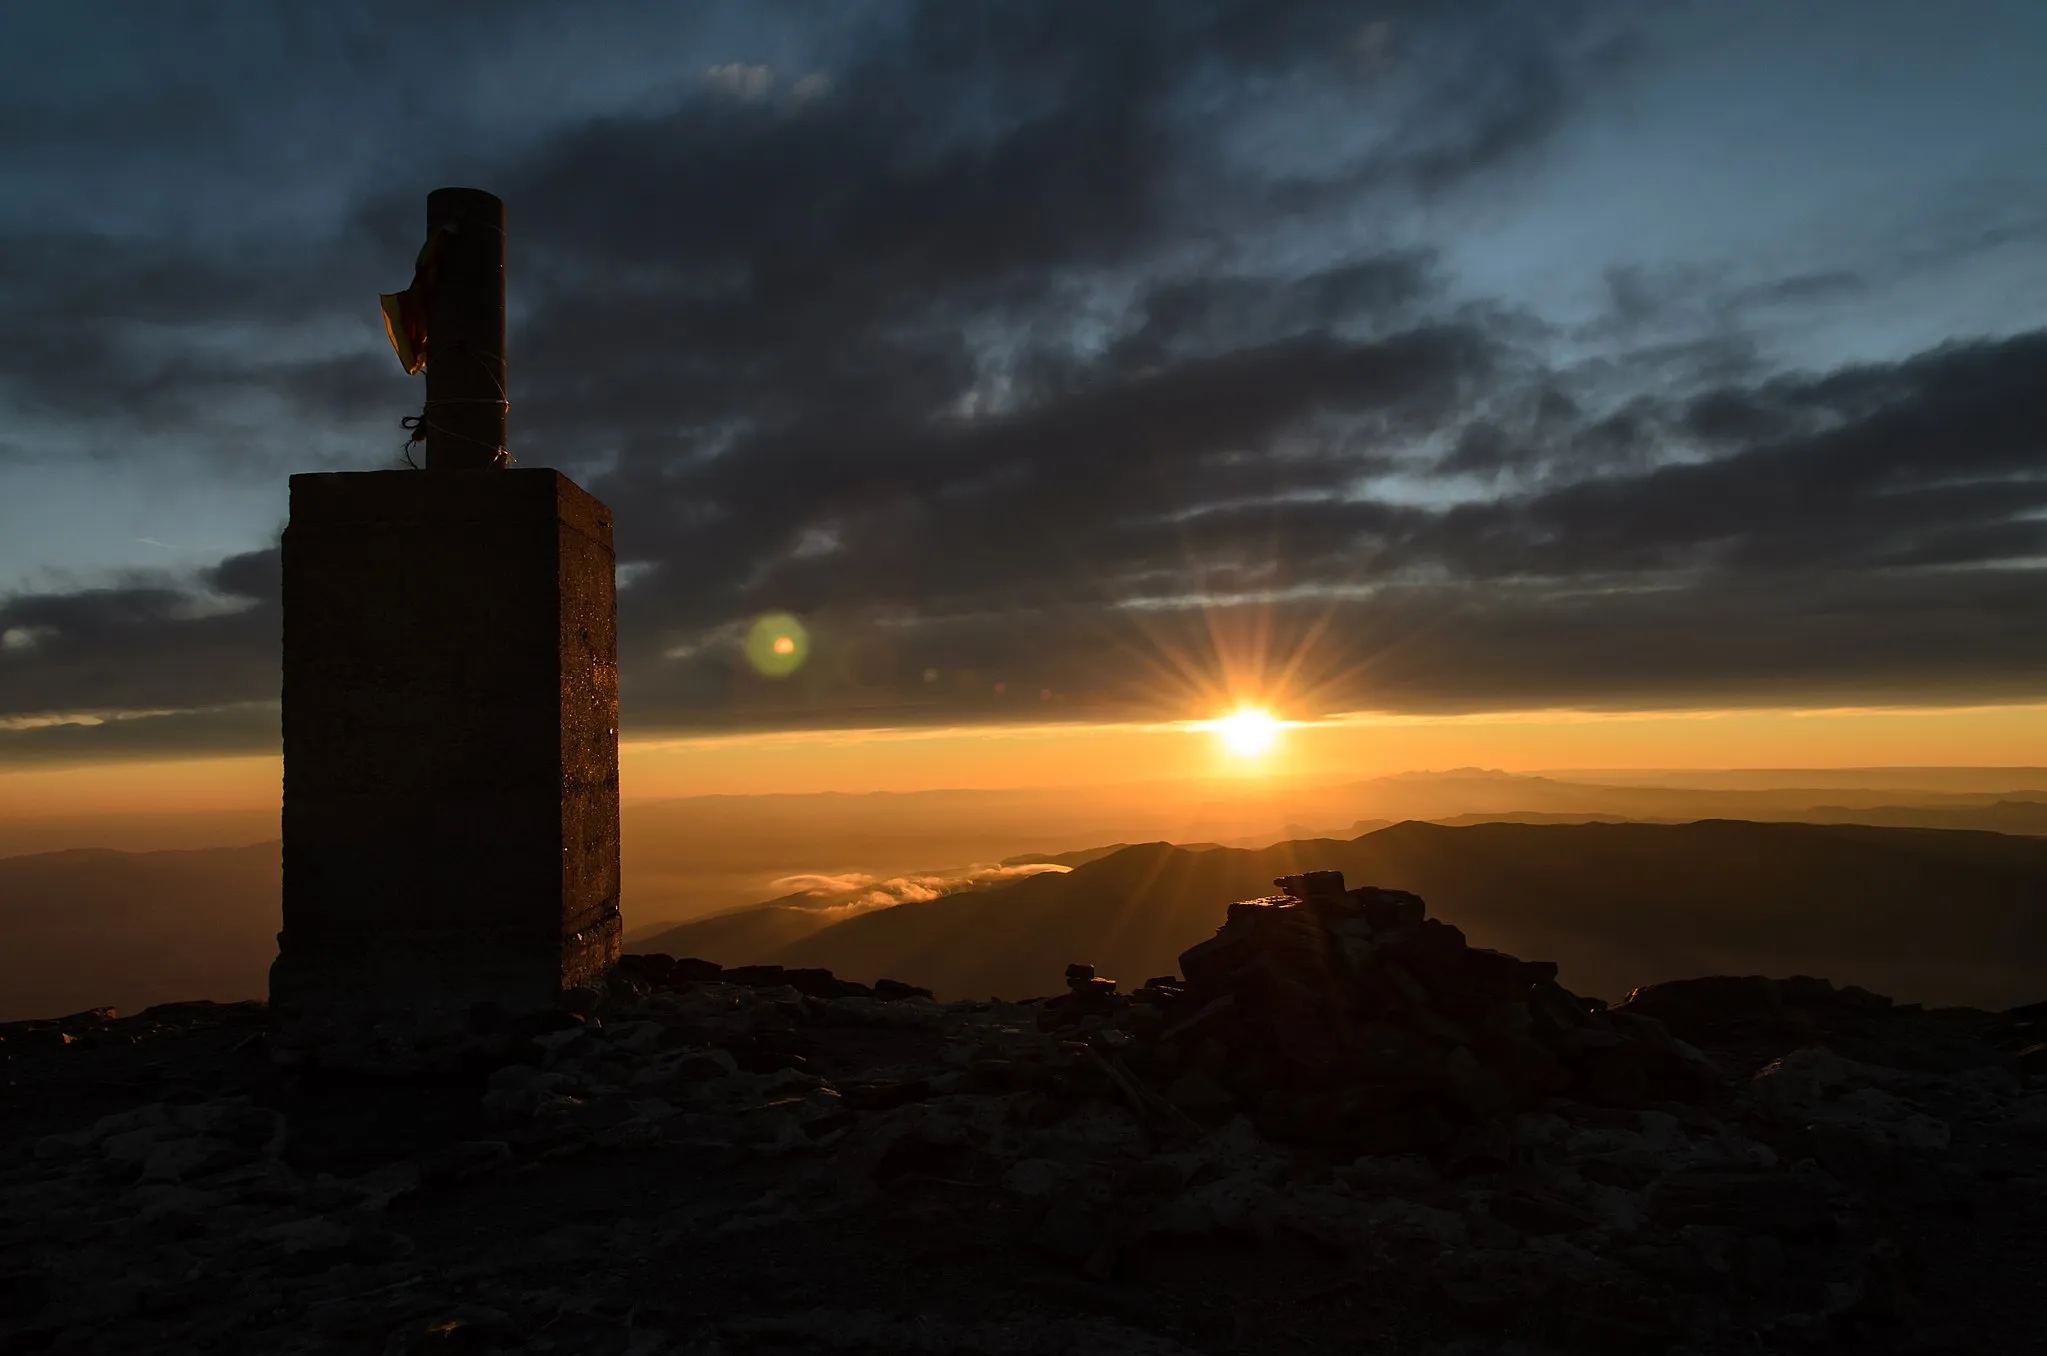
pixel 1078 351
pixel 153 644
pixel 73 737
pixel 854 892
pixel 737 80
pixel 1863 534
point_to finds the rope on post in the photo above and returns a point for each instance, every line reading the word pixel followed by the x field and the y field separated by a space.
pixel 417 425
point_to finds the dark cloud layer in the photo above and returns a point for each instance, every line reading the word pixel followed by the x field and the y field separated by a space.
pixel 994 352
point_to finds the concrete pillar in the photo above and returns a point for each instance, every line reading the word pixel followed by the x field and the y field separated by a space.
pixel 450 746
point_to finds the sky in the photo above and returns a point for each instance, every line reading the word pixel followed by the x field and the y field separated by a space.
pixel 1073 367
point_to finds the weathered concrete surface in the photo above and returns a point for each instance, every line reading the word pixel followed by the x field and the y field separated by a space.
pixel 450 746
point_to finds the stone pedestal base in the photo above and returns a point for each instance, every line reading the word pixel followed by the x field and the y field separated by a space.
pixel 450 747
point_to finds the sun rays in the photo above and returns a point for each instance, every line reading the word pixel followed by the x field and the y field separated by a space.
pixel 1247 731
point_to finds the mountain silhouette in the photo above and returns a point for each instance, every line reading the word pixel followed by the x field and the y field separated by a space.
pixel 1934 916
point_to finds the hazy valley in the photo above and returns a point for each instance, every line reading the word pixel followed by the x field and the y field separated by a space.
pixel 1939 898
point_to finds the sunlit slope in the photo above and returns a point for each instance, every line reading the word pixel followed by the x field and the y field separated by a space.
pixel 1928 915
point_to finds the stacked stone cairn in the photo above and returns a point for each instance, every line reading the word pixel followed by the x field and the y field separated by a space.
pixel 1349 1018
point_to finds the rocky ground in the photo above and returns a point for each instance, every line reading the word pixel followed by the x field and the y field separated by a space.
pixel 1342 1130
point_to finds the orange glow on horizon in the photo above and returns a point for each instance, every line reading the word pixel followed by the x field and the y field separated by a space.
pixel 187 785
pixel 1343 748
pixel 1338 749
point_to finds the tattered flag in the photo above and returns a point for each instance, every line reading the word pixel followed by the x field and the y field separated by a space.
pixel 405 312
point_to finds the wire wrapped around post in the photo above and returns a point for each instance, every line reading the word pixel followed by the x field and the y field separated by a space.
pixel 451 321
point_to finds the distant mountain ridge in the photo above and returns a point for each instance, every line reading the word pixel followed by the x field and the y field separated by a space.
pixel 88 927
pixel 1936 916
pixel 2016 816
pixel 1465 793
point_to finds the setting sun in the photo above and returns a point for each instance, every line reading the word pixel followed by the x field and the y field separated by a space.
pixel 1247 731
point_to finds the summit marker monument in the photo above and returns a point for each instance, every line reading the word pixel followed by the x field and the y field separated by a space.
pixel 450 697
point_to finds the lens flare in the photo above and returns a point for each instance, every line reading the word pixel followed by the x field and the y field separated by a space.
pixel 1247 731
pixel 777 645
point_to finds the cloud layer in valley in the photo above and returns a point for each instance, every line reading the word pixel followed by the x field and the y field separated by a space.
pixel 1063 360
pixel 851 892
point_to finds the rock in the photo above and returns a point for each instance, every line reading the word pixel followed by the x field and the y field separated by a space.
pixel 1421 1118
pixel 1759 1264
pixel 1312 884
pixel 1486 1147
pixel 469 1158
pixel 131 1149
pixel 885 1096
pixel 530 1024
pixel 1837 1097
pixel 89 1017
pixel 698 1066
pixel 489 1019
pixel 266 1182
pixel 1196 1092
pixel 555 1046
pixel 150 1115
pixel 1778 1204
pixel 313 1241
pixel 183 1208
pixel 1476 1088
pixel 815 983
pixel 1619 1170
pixel 1035 1179
pixel 1350 1016
pixel 1694 1008
pixel 254 1128
pixel 1218 1017
pixel 1540 1212
pixel 654 966
pixel 754 976
pixel 379 1187
pixel 1387 910
pixel 1083 985
pixel 1066 1328
pixel 2026 1119
pixel 460 1331
pixel 1403 1130
pixel 1390 1173
pixel 191 1156
pixel 23 1293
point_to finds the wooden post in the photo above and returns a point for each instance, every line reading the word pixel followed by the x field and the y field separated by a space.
pixel 465 366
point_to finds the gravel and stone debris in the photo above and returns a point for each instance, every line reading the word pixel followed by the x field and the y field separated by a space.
pixel 1341 1127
